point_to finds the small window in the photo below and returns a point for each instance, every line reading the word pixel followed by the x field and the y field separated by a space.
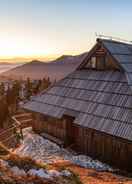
pixel 93 62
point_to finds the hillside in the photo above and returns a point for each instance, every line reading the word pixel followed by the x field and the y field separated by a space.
pixel 23 170
pixel 4 63
pixel 40 161
pixel 56 69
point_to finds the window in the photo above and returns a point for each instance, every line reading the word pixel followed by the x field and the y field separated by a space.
pixel 93 62
pixel 96 62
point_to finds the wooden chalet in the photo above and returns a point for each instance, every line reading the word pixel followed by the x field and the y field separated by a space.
pixel 91 108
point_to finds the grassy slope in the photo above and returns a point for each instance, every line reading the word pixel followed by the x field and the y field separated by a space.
pixel 26 163
pixel 79 176
pixel 91 176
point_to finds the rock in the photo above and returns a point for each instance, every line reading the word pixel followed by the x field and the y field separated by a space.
pixel 4 163
pixel 54 173
pixel 66 173
pixel 41 173
pixel 18 172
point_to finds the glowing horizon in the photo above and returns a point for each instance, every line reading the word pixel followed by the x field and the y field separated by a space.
pixel 11 47
pixel 48 29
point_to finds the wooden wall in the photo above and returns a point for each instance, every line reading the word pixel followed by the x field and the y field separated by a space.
pixel 103 62
pixel 52 126
pixel 112 150
pixel 110 64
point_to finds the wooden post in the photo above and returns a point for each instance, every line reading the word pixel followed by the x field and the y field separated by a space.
pixel 21 132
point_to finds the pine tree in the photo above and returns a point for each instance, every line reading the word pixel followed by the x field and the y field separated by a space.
pixel 28 88
pixel 48 82
pixel 5 112
pixel 37 87
pixel 45 83
pixel 16 89
pixel 2 89
pixel 8 96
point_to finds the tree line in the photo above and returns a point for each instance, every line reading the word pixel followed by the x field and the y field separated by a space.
pixel 11 95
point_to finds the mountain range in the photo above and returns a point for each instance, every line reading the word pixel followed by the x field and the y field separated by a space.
pixel 55 69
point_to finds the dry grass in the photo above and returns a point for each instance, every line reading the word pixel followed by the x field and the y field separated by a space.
pixel 79 175
pixel 91 176
pixel 26 163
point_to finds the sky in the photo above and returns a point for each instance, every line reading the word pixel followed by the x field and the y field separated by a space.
pixel 49 28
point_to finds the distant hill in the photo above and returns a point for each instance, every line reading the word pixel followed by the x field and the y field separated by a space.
pixel 67 59
pixel 55 69
pixel 4 63
pixel 33 63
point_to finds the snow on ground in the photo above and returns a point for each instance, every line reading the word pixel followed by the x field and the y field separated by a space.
pixel 42 173
pixel 44 150
pixel 18 172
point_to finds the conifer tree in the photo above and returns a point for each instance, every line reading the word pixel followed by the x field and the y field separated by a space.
pixel 28 88
pixel 5 112
pixel 38 86
pixel 2 89
pixel 8 96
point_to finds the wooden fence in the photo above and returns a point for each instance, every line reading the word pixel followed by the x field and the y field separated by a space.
pixel 23 120
pixel 8 136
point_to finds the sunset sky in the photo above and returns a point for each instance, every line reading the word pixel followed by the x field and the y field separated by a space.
pixel 48 28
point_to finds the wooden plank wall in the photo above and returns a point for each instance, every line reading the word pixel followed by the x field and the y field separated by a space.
pixel 112 150
pixel 109 149
pixel 52 126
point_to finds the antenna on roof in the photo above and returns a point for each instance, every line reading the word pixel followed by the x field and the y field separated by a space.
pixel 112 38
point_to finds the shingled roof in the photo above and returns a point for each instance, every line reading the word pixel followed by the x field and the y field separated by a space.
pixel 122 52
pixel 101 100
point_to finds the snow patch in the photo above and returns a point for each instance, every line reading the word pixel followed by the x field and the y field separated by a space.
pixel 54 173
pixel 46 151
pixel 88 162
pixel 66 173
pixel 40 173
pixel 18 172
pixel 4 163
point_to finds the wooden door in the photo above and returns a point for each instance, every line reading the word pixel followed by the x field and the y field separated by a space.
pixel 71 131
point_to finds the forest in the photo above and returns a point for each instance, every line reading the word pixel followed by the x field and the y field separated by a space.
pixel 13 93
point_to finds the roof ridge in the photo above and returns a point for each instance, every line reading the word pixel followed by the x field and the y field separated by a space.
pixel 113 41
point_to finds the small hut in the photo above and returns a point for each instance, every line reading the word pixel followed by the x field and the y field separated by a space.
pixel 91 108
